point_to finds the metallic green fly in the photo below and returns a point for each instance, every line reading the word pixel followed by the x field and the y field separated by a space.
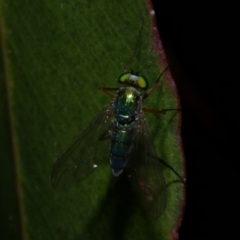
pixel 119 131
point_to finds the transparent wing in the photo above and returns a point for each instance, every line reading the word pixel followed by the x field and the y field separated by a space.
pixel 145 174
pixel 86 152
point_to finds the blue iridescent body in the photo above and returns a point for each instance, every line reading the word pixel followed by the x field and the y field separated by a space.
pixel 126 105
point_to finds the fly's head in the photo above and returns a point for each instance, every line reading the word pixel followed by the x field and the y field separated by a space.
pixel 134 80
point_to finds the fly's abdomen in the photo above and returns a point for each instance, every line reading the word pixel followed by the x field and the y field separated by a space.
pixel 121 146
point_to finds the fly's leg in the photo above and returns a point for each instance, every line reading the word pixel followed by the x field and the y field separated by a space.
pixel 163 111
pixel 150 91
pixel 159 111
pixel 151 110
pixel 183 180
pixel 106 91
pixel 157 83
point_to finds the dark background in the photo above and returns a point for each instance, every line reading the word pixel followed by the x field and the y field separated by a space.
pixel 200 45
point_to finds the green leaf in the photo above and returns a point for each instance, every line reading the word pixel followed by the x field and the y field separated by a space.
pixel 55 56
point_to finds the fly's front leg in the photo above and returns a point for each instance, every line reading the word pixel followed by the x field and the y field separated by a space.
pixel 106 91
pixel 157 83
pixel 150 91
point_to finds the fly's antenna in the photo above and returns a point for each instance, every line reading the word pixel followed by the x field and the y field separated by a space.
pixel 136 46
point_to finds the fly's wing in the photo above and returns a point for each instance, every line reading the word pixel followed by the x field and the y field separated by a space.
pixel 145 174
pixel 86 152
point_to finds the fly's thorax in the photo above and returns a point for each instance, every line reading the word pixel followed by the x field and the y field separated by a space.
pixel 127 103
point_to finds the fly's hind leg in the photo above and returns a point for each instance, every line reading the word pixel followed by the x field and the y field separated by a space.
pixel 183 180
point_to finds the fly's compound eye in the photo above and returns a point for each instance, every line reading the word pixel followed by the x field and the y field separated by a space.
pixel 124 78
pixel 142 82
pixel 135 80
